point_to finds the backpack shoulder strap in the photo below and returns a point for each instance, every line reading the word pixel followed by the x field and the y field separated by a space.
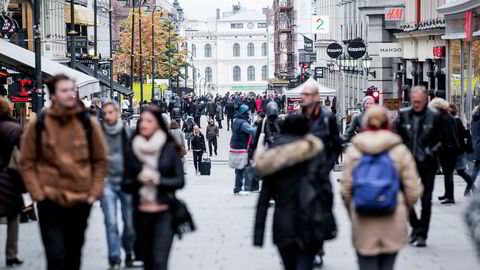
pixel 84 118
pixel 39 127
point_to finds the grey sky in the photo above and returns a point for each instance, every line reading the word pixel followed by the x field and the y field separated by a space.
pixel 203 9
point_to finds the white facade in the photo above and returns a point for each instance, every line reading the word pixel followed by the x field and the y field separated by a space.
pixel 237 49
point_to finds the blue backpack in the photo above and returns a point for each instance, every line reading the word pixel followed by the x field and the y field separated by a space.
pixel 375 185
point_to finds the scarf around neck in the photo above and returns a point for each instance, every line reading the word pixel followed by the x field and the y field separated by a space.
pixel 148 150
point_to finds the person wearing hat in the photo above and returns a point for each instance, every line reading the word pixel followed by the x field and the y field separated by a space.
pixel 356 125
pixel 241 136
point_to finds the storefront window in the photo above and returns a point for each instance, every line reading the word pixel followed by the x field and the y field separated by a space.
pixel 455 94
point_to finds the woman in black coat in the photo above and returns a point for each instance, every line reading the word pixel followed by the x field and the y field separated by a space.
pixel 153 172
pixel 198 147
pixel 475 156
pixel 295 177
pixel 11 184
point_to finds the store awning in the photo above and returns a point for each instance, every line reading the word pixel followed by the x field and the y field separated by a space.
pixel 458 7
pixel 17 57
pixel 104 80
pixel 323 91
pixel 82 15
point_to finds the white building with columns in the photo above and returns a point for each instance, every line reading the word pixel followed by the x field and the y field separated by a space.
pixel 232 53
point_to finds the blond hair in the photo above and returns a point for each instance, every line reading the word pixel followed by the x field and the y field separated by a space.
pixel 376 117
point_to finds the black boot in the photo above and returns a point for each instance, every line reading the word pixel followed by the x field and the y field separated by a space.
pixel 14 262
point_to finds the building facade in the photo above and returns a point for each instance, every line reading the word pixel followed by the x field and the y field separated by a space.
pixel 232 53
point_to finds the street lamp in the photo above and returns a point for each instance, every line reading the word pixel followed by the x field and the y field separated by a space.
pixel 367 63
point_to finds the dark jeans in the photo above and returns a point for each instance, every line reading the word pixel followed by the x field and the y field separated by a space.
pixel 214 143
pixel 197 121
pixel 239 176
pixel 379 262
pixel 296 259
pixel 229 122
pixel 421 226
pixel 197 158
pixel 155 237
pixel 448 167
pixel 63 233
pixel 219 124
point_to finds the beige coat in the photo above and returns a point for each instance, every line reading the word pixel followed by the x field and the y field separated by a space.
pixel 387 234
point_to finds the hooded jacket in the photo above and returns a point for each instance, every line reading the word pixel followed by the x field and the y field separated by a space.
pixel 63 173
pixel 287 171
pixel 386 234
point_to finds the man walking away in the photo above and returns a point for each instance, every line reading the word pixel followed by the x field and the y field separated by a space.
pixel 188 130
pixel 230 111
pixel 211 109
pixel 219 115
pixel 63 163
pixel 212 134
pixel 324 126
pixel 198 114
pixel 177 113
pixel 116 137
pixel 241 133
pixel 198 148
pixel 419 127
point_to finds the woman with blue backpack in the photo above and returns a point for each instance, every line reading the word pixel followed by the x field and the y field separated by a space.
pixel 379 185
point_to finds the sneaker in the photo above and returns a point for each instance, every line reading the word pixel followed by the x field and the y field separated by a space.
pixel 442 198
pixel 448 201
pixel 14 262
pixel 318 261
pixel 421 242
pixel 413 238
pixel 129 260
pixel 115 266
pixel 468 191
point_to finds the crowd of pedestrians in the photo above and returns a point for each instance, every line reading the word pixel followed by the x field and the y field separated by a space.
pixel 69 157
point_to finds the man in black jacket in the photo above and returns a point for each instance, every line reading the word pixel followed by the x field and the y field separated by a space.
pixel 324 126
pixel 211 109
pixel 230 112
pixel 420 129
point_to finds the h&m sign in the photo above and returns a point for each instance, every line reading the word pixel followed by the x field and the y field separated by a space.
pixel 395 14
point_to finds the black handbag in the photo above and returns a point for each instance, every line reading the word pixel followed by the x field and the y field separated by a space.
pixel 182 218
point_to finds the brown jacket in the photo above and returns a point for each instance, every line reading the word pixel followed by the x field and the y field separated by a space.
pixel 386 234
pixel 63 173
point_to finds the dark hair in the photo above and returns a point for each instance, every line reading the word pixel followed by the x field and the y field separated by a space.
pixel 174 125
pixel 295 124
pixel 52 82
pixel 453 109
pixel 163 126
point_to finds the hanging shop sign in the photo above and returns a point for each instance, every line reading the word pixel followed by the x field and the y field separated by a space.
pixel 468 25
pixel 386 50
pixel 439 51
pixel 318 73
pixel 334 50
pixel 320 24
pixel 395 14
pixel 8 26
pixel 356 49
pixel 307 44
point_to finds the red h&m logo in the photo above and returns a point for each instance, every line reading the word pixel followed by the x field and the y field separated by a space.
pixel 24 86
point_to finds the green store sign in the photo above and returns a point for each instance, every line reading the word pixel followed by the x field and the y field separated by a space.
pixel 249 88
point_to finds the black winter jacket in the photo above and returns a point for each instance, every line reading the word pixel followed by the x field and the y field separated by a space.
pixel 212 132
pixel 170 167
pixel 426 144
pixel 211 108
pixel 230 110
pixel 198 142
pixel 476 136
pixel 11 184
pixel 290 187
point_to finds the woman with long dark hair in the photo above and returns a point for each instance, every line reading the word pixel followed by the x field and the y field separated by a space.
pixel 154 171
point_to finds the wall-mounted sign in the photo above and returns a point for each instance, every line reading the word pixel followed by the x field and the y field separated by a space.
pixel 392 104
pixel 395 14
pixel 320 24
pixel 318 73
pixel 334 50
pixel 439 51
pixel 390 50
pixel 307 44
pixel 356 49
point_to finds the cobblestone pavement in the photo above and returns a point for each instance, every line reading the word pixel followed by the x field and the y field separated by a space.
pixel 225 222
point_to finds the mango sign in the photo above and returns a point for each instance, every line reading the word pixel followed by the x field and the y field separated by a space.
pixel 395 14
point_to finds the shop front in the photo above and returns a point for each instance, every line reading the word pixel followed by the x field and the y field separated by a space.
pixel 463 54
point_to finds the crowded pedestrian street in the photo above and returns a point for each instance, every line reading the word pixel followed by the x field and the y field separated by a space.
pixel 225 227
